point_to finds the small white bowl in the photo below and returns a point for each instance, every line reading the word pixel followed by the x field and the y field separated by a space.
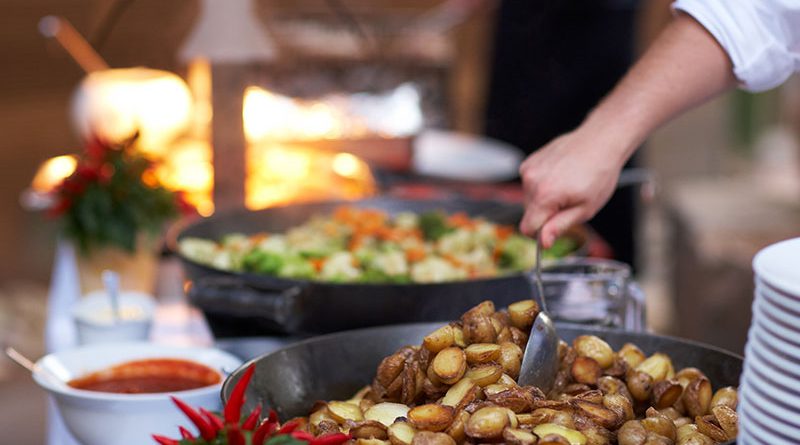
pixel 96 323
pixel 100 418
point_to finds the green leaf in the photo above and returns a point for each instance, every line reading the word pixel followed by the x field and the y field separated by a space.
pixel 433 225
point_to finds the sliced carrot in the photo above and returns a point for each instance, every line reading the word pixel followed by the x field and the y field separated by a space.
pixel 462 220
pixel 415 254
pixel 258 237
pixel 453 260
pixel 504 232
pixel 318 263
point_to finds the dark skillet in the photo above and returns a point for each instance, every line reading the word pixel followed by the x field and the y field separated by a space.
pixel 335 366
pixel 246 304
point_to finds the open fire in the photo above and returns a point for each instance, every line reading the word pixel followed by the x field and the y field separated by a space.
pixel 295 153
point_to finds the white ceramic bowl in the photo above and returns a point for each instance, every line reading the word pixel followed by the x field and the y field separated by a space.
pixel 98 418
pixel 777 265
pixel 95 321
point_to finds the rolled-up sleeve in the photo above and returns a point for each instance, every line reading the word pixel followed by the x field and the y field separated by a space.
pixel 762 37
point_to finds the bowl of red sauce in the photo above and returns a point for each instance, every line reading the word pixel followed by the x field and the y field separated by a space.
pixel 120 392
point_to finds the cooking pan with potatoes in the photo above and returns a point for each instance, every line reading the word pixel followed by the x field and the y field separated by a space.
pixel 453 383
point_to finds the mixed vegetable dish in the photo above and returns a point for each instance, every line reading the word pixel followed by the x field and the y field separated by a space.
pixel 356 245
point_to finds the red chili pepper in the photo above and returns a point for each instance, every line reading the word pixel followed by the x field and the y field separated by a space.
pixel 165 440
pixel 288 427
pixel 331 439
pixel 233 409
pixel 266 429
pixel 273 416
pixel 235 436
pixel 252 420
pixel 206 430
pixel 213 419
pixel 186 434
pixel 303 435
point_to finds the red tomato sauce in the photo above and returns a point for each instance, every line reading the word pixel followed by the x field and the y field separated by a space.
pixel 149 376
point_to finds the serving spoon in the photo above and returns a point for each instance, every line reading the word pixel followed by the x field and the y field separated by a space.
pixel 540 362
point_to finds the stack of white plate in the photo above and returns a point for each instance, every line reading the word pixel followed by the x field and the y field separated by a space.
pixel 769 403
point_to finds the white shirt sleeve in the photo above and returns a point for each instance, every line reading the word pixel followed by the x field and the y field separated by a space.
pixel 762 37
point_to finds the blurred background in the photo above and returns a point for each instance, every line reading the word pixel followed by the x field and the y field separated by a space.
pixel 726 176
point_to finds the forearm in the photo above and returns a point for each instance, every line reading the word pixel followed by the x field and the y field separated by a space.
pixel 683 68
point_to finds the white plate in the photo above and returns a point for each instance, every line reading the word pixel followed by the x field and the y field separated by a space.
pixel 462 157
pixel 779 265
pixel 790 322
pixel 766 337
pixel 773 295
pixel 768 383
pixel 777 331
pixel 755 362
pixel 782 420
pixel 762 424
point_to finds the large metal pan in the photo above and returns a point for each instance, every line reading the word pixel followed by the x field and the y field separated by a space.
pixel 245 304
pixel 335 366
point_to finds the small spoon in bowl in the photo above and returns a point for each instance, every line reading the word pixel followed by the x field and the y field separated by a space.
pixel 23 361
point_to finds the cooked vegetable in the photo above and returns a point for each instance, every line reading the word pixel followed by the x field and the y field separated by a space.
pixel 355 245
pixel 488 423
pixel 458 388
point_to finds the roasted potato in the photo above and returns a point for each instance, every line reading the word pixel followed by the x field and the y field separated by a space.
pixel 459 388
pixel 488 423
pixel 449 365
pixel 666 393
pixel 697 397
pixel 439 339
pixel 545 430
pixel 386 413
pixel 522 314
pixel 594 347
pixel 431 438
pixel 401 433
pixel 478 353
pixel 727 396
pixel 485 374
pixel 586 370
pixel 431 417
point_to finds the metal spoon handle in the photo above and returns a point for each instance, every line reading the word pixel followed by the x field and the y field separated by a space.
pixel 537 272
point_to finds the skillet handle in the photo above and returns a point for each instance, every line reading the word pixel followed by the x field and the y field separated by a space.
pixel 230 296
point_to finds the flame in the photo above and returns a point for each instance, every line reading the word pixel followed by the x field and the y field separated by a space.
pixel 52 172
pixel 281 169
pixel 270 116
pixel 347 165
pixel 188 167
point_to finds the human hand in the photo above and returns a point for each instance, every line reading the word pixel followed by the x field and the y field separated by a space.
pixel 566 182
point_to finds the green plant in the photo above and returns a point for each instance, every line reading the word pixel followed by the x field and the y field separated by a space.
pixel 112 197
